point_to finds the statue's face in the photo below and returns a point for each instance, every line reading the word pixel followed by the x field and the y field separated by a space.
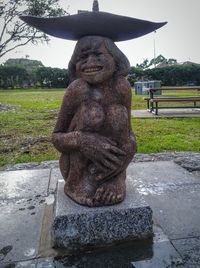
pixel 95 65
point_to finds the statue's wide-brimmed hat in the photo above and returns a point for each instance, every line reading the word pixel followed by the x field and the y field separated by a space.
pixel 73 27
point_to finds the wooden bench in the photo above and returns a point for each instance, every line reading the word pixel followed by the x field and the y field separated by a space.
pixel 156 100
pixel 147 100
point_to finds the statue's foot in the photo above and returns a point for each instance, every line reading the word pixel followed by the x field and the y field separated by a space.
pixel 86 201
pixel 107 196
pixel 110 192
pixel 80 193
pixel 79 198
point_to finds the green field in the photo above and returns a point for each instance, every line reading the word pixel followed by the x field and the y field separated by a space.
pixel 26 129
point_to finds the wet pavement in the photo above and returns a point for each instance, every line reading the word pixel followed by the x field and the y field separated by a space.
pixel 27 201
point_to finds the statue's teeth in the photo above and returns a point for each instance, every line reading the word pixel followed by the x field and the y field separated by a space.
pixel 88 70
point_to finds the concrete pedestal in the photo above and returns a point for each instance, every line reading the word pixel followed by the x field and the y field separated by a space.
pixel 76 227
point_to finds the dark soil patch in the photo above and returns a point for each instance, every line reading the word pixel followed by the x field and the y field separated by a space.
pixel 31 141
pixel 25 145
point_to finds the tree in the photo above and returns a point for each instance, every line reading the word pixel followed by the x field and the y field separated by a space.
pixel 175 75
pixel 16 76
pixel 160 59
pixel 20 73
pixel 13 76
pixel 52 77
pixel 16 33
pixel 136 74
pixel 30 66
pixel 143 65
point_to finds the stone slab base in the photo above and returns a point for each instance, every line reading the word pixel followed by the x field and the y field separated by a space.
pixel 76 227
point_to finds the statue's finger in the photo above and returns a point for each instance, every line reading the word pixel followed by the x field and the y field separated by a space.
pixel 117 150
pixel 108 164
pixel 111 142
pixel 113 158
pixel 101 167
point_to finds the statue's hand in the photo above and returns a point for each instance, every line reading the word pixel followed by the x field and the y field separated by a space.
pixel 130 149
pixel 101 151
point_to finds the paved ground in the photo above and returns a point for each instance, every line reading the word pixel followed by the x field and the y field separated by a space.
pixel 167 113
pixel 26 212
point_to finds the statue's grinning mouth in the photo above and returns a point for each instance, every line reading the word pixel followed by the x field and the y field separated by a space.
pixel 92 69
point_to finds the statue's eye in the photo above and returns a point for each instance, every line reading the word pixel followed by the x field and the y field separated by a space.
pixel 98 54
pixel 83 56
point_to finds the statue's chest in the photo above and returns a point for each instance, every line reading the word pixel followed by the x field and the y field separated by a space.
pixel 104 98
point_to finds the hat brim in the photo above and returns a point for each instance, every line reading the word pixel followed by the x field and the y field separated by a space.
pixel 73 27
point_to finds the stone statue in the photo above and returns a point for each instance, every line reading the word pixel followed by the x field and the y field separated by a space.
pixel 93 131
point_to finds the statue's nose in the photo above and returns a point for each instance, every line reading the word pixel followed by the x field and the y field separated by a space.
pixel 91 59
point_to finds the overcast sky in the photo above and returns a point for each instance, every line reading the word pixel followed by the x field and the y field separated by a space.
pixel 179 39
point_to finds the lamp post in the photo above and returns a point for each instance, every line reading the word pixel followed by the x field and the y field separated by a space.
pixel 154 48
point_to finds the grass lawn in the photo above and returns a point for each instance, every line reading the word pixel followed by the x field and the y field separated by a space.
pixel 26 130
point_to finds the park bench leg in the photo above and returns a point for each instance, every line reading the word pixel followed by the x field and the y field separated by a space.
pixel 147 104
pixel 195 104
pixel 152 108
pixel 156 108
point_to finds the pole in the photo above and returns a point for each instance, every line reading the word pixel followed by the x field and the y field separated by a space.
pixel 154 48
pixel 95 7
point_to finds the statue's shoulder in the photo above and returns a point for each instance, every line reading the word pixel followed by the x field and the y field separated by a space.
pixel 76 89
pixel 77 85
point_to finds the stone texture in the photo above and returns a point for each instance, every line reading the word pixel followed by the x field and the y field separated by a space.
pixel 23 264
pixel 110 258
pixel 164 255
pixel 167 156
pixel 173 194
pixel 20 226
pixel 24 183
pixel 189 250
pixel 177 210
pixel 54 177
pixel 31 165
pixel 76 227
pixel 158 253
pixel 191 164
pixel 157 177
pixel 167 113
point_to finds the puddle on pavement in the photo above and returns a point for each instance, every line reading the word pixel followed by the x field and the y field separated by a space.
pixel 134 255
pixel 138 254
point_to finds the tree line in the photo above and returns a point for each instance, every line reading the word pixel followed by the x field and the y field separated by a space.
pixel 174 75
pixel 26 73
pixel 168 71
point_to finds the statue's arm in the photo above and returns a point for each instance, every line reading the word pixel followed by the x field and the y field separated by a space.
pixel 63 140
